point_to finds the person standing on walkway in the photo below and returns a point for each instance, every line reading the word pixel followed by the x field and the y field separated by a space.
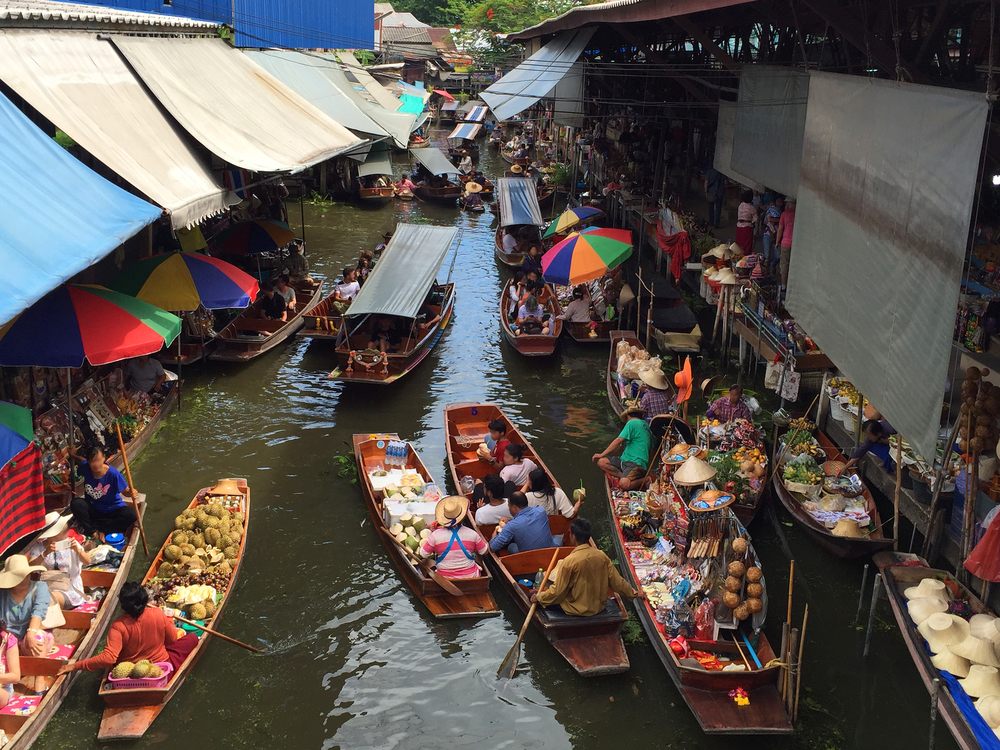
pixel 772 215
pixel 746 218
pixel 784 238
pixel 715 191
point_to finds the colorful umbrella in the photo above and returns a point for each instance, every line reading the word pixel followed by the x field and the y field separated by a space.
pixel 182 281
pixel 252 237
pixel 15 431
pixel 586 255
pixel 74 322
pixel 570 218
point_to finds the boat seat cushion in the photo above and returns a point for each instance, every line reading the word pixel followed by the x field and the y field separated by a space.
pixel 610 612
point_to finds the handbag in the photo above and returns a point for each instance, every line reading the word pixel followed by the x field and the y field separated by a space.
pixel 56 580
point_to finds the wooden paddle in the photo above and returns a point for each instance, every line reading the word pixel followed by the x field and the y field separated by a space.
pixel 218 634
pixel 509 666
pixel 131 489
pixel 425 566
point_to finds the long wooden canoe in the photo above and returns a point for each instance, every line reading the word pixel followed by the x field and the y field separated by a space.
pixel 511 260
pixel 447 195
pixel 847 548
pixel 323 320
pixel 477 601
pixel 248 336
pixel 592 645
pixel 376 196
pixel 581 332
pixel 899 572
pixel 390 367
pixel 534 345
pixel 130 712
pixel 84 631
pixel 707 692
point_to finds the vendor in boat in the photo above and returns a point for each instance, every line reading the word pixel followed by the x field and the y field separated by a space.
pixel 577 311
pixel 146 375
pixel 465 164
pixel 532 260
pixel 480 179
pixel 345 292
pixel 527 529
pixel 102 510
pixel 635 441
pixel 492 505
pixel 510 241
pixel 385 337
pixel 730 407
pixel 57 552
pixel 540 491
pixel 584 577
pixel 405 183
pixel 876 442
pixel 656 398
pixel 531 318
pixel 472 198
pixel 453 546
pixel 271 305
pixel 142 632
pixel 283 289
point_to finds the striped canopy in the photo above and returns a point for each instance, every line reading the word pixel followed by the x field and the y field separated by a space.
pixel 477 114
pixel 466 130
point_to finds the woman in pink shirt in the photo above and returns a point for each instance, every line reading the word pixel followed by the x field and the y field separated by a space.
pixel 746 218
pixel 453 546
pixel 784 239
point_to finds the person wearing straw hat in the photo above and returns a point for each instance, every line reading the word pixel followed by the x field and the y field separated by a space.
pixel 24 604
pixel 453 546
pixel 472 198
pixel 635 441
pixel 655 397
pixel 730 407
pixel 516 170
pixel 57 552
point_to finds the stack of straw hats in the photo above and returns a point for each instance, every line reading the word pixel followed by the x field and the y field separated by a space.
pixel 926 598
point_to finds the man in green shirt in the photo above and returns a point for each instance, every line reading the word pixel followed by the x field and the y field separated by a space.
pixel 635 441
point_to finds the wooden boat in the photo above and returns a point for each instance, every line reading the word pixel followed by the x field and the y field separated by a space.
pixel 418 142
pixel 839 546
pixel 581 332
pixel 135 446
pixel 487 191
pixel 545 197
pixel 376 196
pixel 455 152
pixel 446 195
pixel 323 321
pixel 592 645
pixel 249 336
pixel 480 209
pixel 192 351
pixel 476 601
pixel 508 156
pixel 707 692
pixel 899 572
pixel 511 260
pixel 358 364
pixel 535 345
pixel 85 632
pixel 130 711
pixel 495 143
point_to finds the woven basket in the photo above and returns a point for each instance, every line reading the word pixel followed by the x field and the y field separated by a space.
pixel 833 468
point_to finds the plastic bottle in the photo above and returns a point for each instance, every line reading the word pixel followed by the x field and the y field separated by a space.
pixel 538 578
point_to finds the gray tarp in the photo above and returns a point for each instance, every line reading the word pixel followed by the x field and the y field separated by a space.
pixel 377 162
pixel 770 118
pixel 518 202
pixel 568 95
pixel 537 76
pixel 885 201
pixel 404 274
pixel 435 161
pixel 724 146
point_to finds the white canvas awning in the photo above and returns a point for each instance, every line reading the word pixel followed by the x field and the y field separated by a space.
pixel 377 162
pixel 82 85
pixel 537 76
pixel 232 106
pixel 397 124
pixel 388 102
pixel 435 161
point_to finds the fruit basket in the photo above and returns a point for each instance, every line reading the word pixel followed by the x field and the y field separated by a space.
pixel 130 683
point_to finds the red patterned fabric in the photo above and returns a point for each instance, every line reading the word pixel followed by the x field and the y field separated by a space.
pixel 22 502
pixel 678 247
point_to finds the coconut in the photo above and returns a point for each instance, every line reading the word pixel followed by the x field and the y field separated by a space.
pixel 755 590
pixel 412 542
pixel 737 569
pixel 410 531
pixel 406 520
pixel 746 467
pixel 395 529
pixel 419 524
pixel 755 605
pixel 754 574
pixel 731 600
pixel 400 537
pixel 733 584
pixel 425 533
pixel 742 612
pixel 972 373
pixel 739 545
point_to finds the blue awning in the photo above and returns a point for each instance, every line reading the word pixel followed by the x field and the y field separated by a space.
pixel 518 201
pixel 59 217
pixel 466 130
pixel 476 114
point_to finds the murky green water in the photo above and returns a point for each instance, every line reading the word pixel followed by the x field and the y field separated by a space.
pixel 354 661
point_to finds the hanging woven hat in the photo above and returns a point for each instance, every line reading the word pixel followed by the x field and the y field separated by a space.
pixel 708 385
pixel 928 587
pixel 981 681
pixel 633 411
pixel 710 273
pixel 693 472
pixel 941 630
pixel 719 251
pixel 626 295
pixel 989 708
pixel 921 609
pixel 948 661
pixel 735 249
pixel 473 187
pixel 985 626
pixel 726 277
pixel 847 527
pixel 516 168
pixel 977 650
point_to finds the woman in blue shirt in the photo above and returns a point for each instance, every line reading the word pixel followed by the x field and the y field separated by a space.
pixel 102 509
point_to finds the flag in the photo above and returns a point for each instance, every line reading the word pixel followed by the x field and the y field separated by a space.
pixel 22 500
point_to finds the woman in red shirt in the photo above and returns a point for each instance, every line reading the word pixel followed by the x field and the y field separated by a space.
pixel 141 633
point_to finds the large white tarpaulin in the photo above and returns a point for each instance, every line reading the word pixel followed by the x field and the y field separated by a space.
pixel 232 106
pixel 398 124
pixel 434 160
pixel 537 76
pixel 770 118
pixel 885 202
pixel 568 95
pixel 518 201
pixel 724 146
pixel 81 84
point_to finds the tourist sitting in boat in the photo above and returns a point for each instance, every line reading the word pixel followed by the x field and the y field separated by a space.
pixel 270 305
pixel 141 633
pixel 480 179
pixel 656 398
pixel 522 152
pixel 405 183
pixel 453 546
pixel 496 440
pixel 531 318
pixel 385 337
pixel 730 407
pixel 527 529
pixel 146 375
pixel 428 317
pixel 346 290
pixel 510 241
pixel 540 491
pixel 876 442
pixel 584 577
pixel 283 289
pixel 516 467
pixel 635 442
pixel 465 164
pixel 57 552
pixel 102 509
pixel 364 268
pixel 23 606
pixel 532 260
pixel 492 506
pixel 516 292
pixel 577 311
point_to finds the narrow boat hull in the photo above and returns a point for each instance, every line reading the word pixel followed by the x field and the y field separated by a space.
pixel 247 338
pixel 445 196
pixel 533 345
pixel 580 332
pixel 510 260
pixel 135 446
pixel 323 321
pixel 376 196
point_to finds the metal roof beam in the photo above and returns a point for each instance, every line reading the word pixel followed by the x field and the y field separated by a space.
pixel 653 56
pixel 708 43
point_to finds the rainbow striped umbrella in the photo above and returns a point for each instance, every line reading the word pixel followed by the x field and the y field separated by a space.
pixel 182 281
pixel 15 430
pixel 74 322
pixel 570 218
pixel 586 255
pixel 252 237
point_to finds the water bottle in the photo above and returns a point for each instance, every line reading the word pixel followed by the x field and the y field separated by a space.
pixel 538 578
pixel 390 453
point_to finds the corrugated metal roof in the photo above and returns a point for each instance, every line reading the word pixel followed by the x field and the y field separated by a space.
pixel 405 34
pixel 403 19
pixel 381 8
pixel 48 14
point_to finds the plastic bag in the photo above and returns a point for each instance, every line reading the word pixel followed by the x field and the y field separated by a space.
pixel 704 618
pixel 679 621
pixel 984 562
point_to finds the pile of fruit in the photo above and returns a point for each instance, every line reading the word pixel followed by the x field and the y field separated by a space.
pixel 846 390
pixel 804 470
pixel 801 423
pixel 733 585
pixel 143 670
pixel 410 531
pixel 979 432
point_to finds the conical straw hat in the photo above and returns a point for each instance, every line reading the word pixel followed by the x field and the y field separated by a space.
pixel 711 273
pixel 947 661
pixel 989 708
pixel 978 651
pixel 847 527
pixel 726 276
pixel 693 472
pixel 985 626
pixel 981 681
pixel 719 251
pixel 941 630
pixel 921 609
pixel 928 587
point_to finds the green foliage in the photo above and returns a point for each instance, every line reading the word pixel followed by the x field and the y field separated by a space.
pixel 365 56
pixel 433 12
pixel 632 632
pixel 318 200
pixel 561 176
pixel 346 466
pixel 63 140
pixel 702 245
pixel 463 98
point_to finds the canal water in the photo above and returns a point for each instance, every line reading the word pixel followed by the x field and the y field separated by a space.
pixel 353 660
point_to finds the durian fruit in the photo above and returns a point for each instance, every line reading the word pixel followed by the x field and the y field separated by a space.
pixel 201 519
pixel 197 612
pixel 179 537
pixel 231 552
pixel 224 525
pixel 187 549
pixel 189 513
pixel 179 522
pixel 190 524
pixel 140 670
pixel 197 541
pixel 172 552
pixel 166 570
pixel 209 609
pixel 217 510
pixel 224 568
pixel 154 672
pixel 212 522
pixel 238 516
pixel 122 670
pixel 235 532
pixel 226 541
pixel 212 537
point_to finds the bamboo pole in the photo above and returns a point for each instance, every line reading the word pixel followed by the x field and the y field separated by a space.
pixel 786 652
pixel 131 488
pixel 792 670
pixel 798 681
pixel 899 486
pixel 925 550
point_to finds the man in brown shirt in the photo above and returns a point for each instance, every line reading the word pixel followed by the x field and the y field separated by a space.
pixel 584 577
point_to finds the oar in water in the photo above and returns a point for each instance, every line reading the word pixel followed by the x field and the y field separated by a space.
pixel 425 566
pixel 218 634
pixel 509 666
